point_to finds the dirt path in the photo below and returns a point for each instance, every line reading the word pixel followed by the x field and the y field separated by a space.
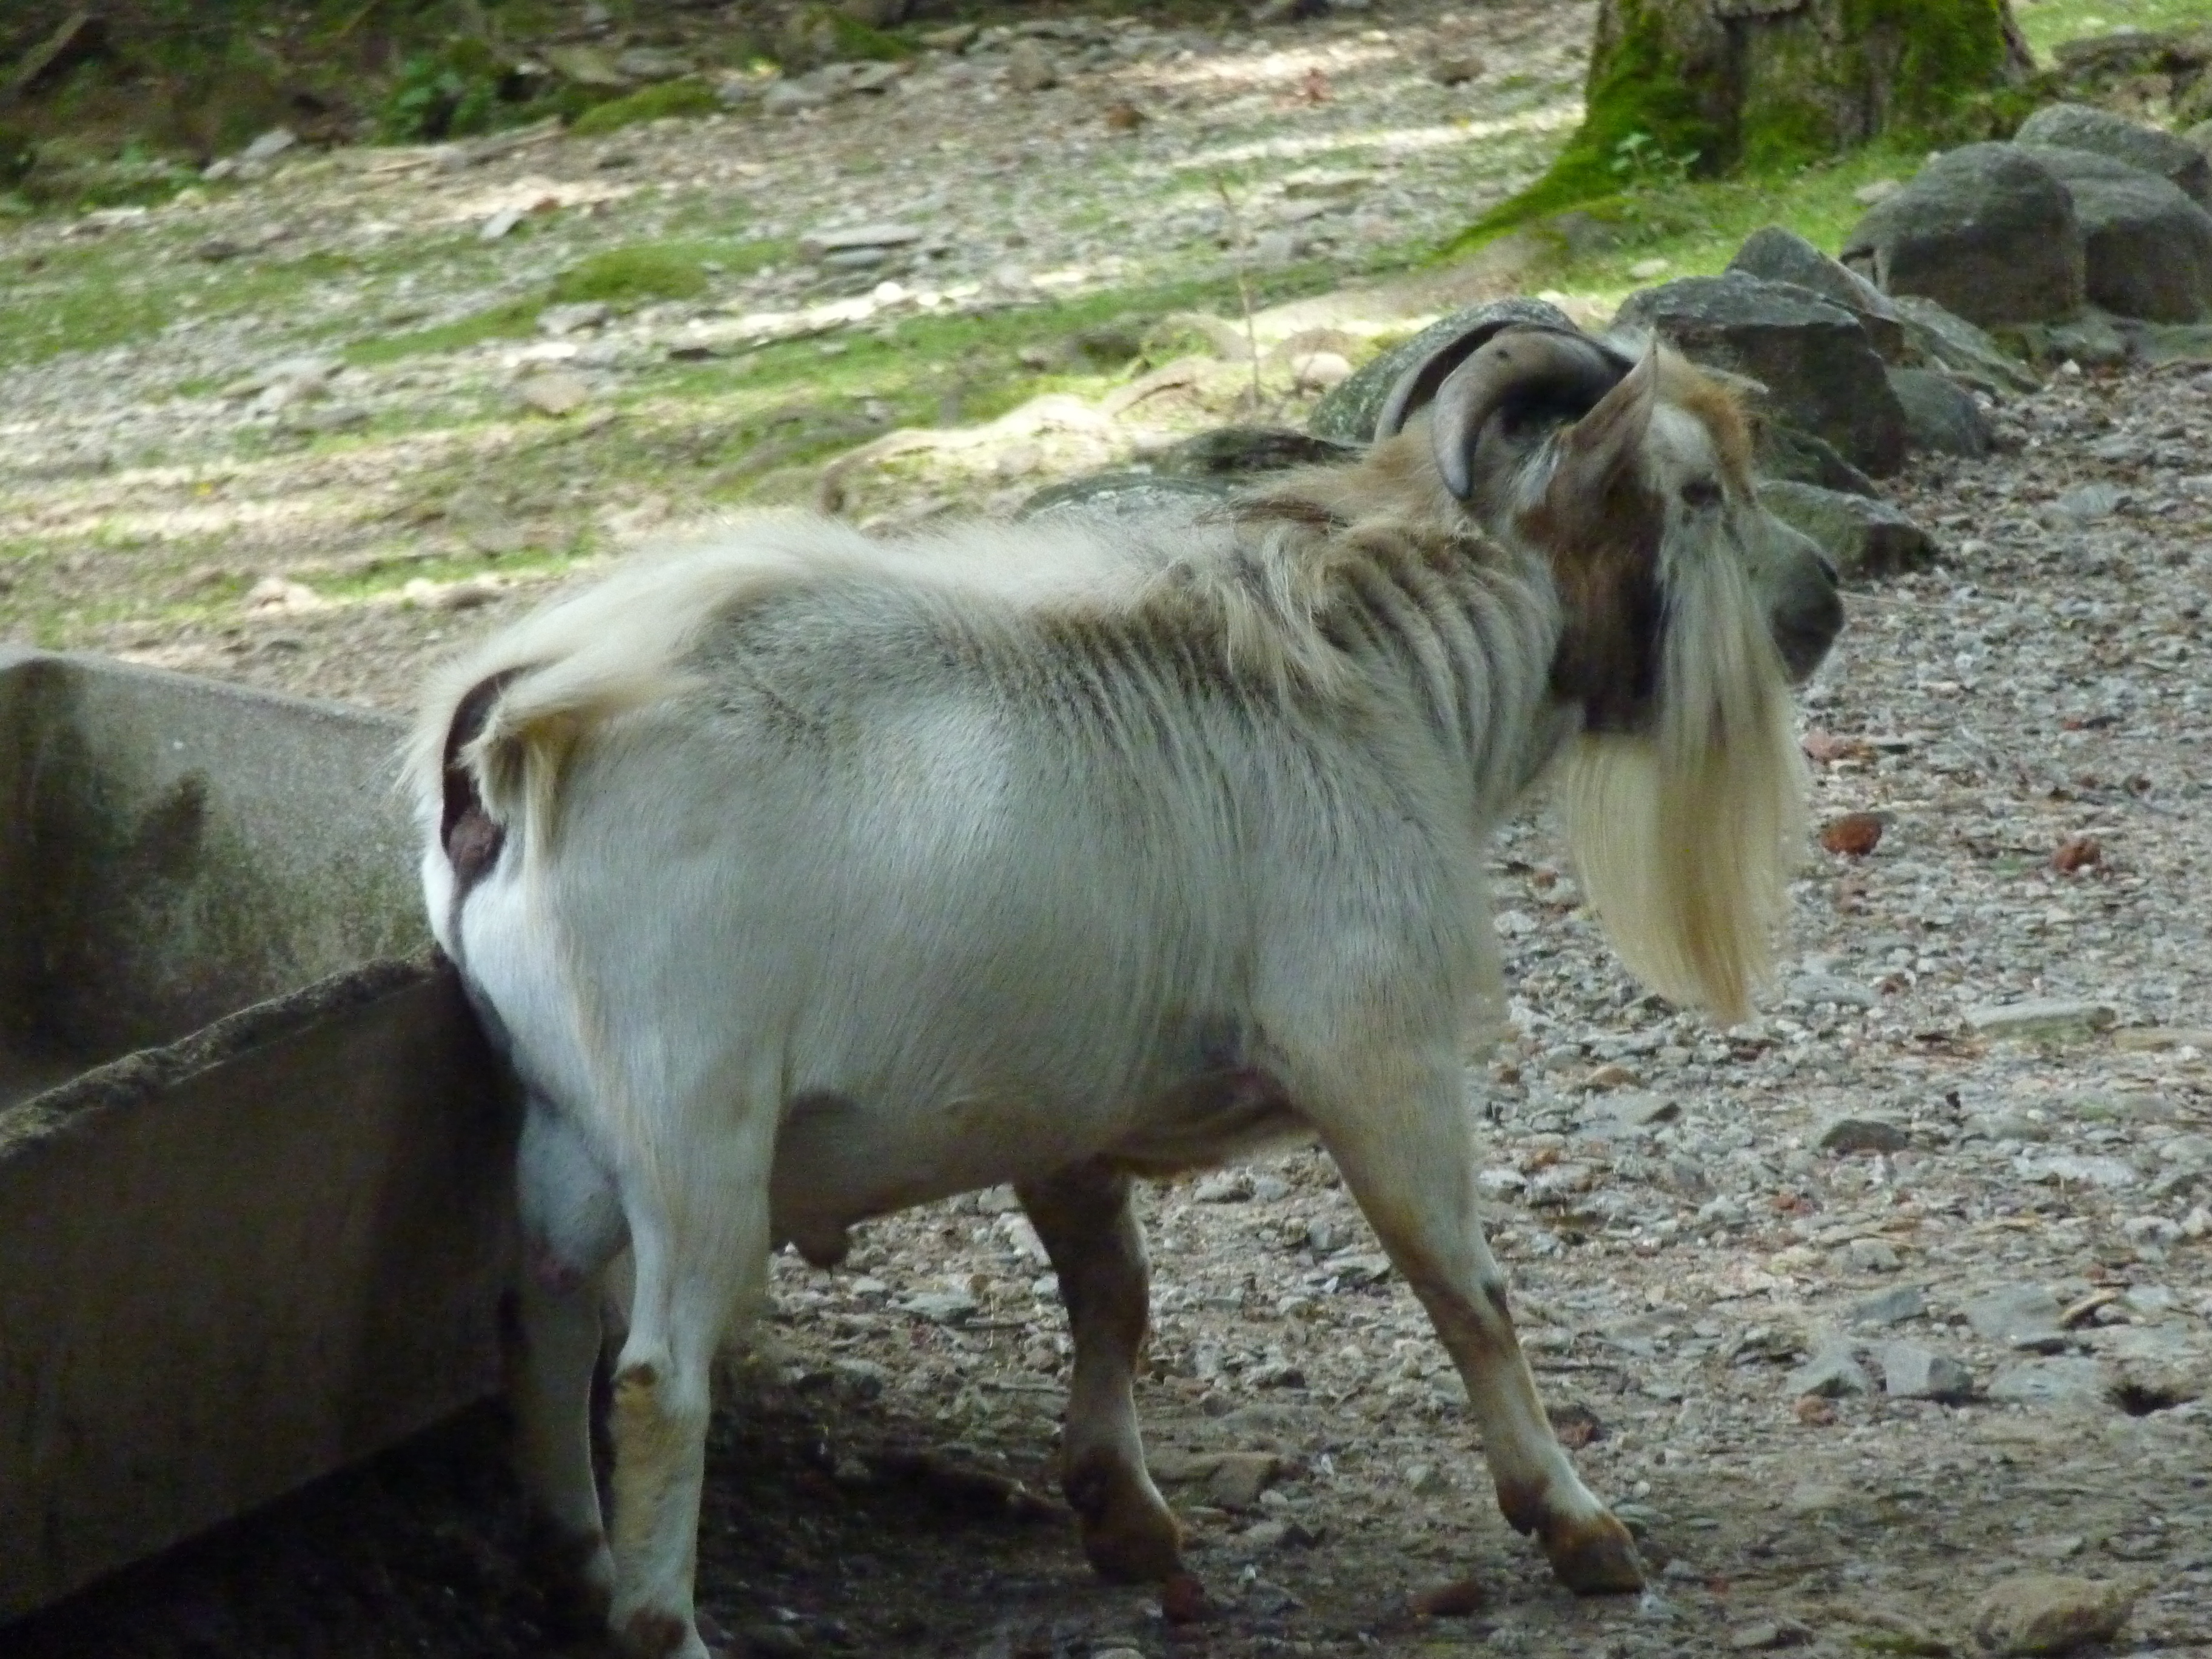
pixel 1688 1255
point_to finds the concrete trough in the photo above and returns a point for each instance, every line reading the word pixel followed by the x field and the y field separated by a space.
pixel 255 1206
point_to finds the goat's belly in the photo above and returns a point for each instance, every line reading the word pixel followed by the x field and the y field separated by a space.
pixel 839 1161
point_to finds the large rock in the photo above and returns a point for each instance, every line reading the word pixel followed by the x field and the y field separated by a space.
pixel 1940 414
pixel 2044 1613
pixel 2148 247
pixel 1983 231
pixel 1233 451
pixel 1944 339
pixel 1346 412
pixel 1777 255
pixel 1820 370
pixel 1780 450
pixel 1127 495
pixel 1861 537
pixel 2079 126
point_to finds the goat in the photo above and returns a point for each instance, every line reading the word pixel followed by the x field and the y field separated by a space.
pixel 803 877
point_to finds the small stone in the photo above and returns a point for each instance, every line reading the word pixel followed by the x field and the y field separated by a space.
pixel 269 145
pixel 1223 1187
pixel 1425 1479
pixel 1881 189
pixel 1768 1634
pixel 941 1307
pixel 1893 1306
pixel 558 320
pixel 2046 1613
pixel 1863 1135
pixel 1029 68
pixel 1265 1534
pixel 652 63
pixel 2018 1317
pixel 1461 1598
pixel 555 394
pixel 2041 1022
pixel 282 596
pixel 817 243
pixel 1814 1411
pixel 1831 1374
pixel 1239 1478
pixel 1456 69
pixel 1912 1371
pixel 2070 1382
pixel 1650 270
pixel 2070 1170
pixel 1872 1255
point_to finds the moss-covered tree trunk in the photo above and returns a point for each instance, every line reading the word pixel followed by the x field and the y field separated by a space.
pixel 1705 87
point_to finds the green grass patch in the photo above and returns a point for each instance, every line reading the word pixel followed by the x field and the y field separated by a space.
pixel 636 275
pixel 1697 225
pixel 510 319
pixel 690 96
pixel 2050 23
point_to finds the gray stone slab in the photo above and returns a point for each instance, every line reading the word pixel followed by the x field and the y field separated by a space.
pixel 255 1199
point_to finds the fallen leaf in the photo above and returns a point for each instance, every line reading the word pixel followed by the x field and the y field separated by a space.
pixel 2076 853
pixel 1855 833
pixel 1183 1600
pixel 1459 1599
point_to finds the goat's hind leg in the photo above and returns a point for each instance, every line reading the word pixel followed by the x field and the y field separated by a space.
pixel 699 1234
pixel 1406 1152
pixel 571 1229
pixel 1083 1218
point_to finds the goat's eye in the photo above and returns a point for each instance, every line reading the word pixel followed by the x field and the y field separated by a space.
pixel 1701 492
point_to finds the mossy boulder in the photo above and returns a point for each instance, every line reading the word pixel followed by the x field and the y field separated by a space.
pixel 1346 412
pixel 1707 87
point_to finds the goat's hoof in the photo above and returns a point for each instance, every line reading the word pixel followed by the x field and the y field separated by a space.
pixel 574 1572
pixel 1129 1534
pixel 1134 1555
pixel 649 1633
pixel 1594 1557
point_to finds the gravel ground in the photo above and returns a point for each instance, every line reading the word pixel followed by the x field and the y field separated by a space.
pixel 1744 1260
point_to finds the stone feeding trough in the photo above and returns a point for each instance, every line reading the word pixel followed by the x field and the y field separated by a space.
pixel 254 1201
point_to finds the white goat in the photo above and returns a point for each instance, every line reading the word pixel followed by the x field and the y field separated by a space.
pixel 804 878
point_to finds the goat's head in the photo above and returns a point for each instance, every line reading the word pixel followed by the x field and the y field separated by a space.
pixel 1686 612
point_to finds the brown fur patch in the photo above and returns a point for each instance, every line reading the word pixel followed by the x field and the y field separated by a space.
pixel 467 832
pixel 1605 562
pixel 1717 409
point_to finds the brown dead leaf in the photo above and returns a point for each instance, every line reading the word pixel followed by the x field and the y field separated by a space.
pixel 1824 748
pixel 1183 1600
pixel 1459 1599
pixel 2076 853
pixel 1855 835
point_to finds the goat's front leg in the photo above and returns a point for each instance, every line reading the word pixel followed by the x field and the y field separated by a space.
pixel 699 1234
pixel 1407 1151
pixel 1083 1218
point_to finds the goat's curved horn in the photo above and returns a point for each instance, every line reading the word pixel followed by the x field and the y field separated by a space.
pixel 1568 373
pixel 1415 386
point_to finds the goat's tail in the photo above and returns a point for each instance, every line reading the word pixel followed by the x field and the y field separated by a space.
pixel 498 729
pixel 1686 836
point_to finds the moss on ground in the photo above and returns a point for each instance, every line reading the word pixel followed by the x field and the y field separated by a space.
pixel 689 96
pixel 1656 107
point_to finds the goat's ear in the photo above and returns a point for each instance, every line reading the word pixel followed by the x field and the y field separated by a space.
pixel 1603 450
pixel 1602 529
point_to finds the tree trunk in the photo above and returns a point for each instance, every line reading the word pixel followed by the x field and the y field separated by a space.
pixel 1704 87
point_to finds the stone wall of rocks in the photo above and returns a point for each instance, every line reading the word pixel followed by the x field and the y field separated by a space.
pixel 2088 239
